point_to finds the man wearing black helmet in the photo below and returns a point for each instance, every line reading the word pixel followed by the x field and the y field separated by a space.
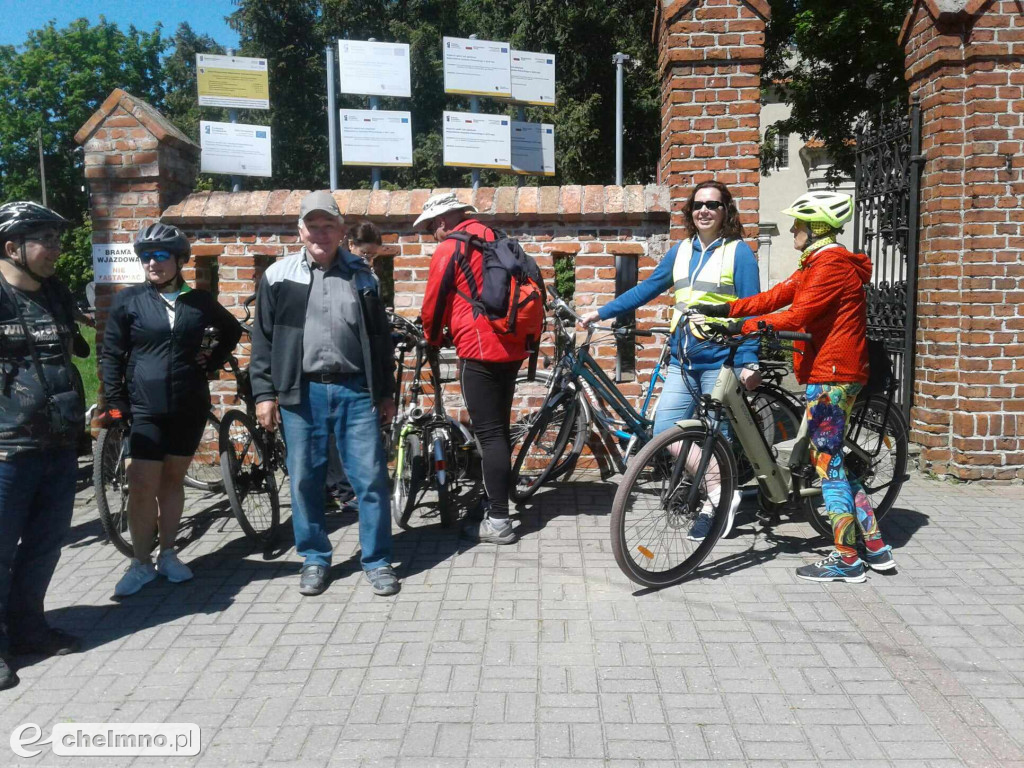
pixel 41 418
pixel 155 370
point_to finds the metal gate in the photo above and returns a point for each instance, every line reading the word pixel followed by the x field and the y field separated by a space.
pixel 886 229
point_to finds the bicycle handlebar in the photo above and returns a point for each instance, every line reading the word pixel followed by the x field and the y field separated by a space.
pixel 793 336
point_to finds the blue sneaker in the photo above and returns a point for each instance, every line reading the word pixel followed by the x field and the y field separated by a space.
pixel 832 568
pixel 882 560
pixel 701 527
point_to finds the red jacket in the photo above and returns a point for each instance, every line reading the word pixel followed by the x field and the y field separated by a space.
pixel 828 302
pixel 442 306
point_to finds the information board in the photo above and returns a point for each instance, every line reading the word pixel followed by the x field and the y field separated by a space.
pixel 234 148
pixel 376 137
pixel 533 148
pixel 477 68
pixel 533 78
pixel 116 263
pixel 477 141
pixel 232 81
pixel 374 69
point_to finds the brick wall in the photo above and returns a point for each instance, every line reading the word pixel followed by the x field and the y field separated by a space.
pixel 710 54
pixel 965 62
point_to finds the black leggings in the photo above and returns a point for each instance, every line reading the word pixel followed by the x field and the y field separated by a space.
pixel 488 389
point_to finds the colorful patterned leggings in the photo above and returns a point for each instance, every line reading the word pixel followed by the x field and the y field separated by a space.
pixel 828 409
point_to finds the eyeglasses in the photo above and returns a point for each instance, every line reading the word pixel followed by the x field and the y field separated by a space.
pixel 711 205
pixel 47 241
pixel 159 256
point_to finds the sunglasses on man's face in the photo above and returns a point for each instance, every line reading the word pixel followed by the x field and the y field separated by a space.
pixel 711 205
pixel 159 256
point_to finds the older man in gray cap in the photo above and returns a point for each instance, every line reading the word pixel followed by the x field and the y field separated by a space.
pixel 323 369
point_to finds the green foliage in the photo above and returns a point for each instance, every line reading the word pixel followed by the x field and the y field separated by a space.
pixel 833 63
pixel 55 82
pixel 87 366
pixel 74 267
pixel 565 277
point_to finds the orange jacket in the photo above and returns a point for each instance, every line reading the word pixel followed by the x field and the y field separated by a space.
pixel 826 299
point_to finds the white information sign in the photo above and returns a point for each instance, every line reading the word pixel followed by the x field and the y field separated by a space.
pixel 116 263
pixel 376 137
pixel 374 69
pixel 477 141
pixel 477 68
pixel 533 148
pixel 232 81
pixel 533 78
pixel 234 148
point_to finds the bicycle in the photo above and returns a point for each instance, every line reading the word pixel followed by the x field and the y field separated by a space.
pixel 580 396
pixel 671 480
pixel 252 458
pixel 430 449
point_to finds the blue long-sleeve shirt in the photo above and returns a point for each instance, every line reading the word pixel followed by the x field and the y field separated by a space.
pixel 697 355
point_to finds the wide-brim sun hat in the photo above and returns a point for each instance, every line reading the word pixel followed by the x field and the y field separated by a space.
pixel 441 204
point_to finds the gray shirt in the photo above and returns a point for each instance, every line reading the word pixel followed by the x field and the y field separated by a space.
pixel 331 337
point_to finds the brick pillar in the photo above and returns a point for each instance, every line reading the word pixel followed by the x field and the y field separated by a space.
pixel 710 54
pixel 136 164
pixel 965 63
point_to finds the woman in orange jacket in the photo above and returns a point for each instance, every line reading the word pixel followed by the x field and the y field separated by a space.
pixel 825 298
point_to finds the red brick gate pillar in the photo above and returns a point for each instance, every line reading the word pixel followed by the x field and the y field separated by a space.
pixel 136 164
pixel 710 53
pixel 965 62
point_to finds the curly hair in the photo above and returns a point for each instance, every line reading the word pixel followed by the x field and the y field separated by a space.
pixel 365 233
pixel 731 227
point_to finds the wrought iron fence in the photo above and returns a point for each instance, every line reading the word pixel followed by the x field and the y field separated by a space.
pixel 886 229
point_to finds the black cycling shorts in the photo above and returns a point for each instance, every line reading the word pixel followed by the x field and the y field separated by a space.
pixel 155 437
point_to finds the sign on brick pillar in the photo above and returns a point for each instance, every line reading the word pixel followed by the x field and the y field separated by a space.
pixel 710 53
pixel 965 63
pixel 136 164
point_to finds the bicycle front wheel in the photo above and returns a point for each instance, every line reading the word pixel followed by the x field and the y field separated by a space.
pixel 249 479
pixel 875 455
pixel 531 396
pixel 204 472
pixel 654 521
pixel 536 458
pixel 110 482
pixel 410 470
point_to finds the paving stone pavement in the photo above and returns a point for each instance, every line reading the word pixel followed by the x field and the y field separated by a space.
pixel 544 654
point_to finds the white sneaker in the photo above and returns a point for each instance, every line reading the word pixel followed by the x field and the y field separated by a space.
pixel 136 576
pixel 170 567
pixel 736 498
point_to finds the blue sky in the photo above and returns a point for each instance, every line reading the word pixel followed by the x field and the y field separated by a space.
pixel 205 16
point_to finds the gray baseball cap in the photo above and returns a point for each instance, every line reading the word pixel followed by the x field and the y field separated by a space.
pixel 322 201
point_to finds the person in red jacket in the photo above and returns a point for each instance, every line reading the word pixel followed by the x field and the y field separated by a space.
pixel 825 298
pixel 488 362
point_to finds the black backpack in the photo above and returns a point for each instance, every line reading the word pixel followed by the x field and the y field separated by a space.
pixel 512 294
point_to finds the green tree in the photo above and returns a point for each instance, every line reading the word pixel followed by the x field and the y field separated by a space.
pixel 833 63
pixel 55 82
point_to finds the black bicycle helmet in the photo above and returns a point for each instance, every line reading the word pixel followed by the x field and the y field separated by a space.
pixel 160 237
pixel 23 217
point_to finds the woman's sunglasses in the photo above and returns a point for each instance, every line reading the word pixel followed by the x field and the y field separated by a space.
pixel 711 205
pixel 160 256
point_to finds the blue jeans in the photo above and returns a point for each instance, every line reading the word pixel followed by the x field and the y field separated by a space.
pixel 37 496
pixel 677 401
pixel 344 413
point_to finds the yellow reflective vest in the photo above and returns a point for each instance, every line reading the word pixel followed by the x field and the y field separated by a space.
pixel 713 284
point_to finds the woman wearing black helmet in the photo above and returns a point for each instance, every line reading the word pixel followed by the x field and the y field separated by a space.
pixel 41 418
pixel 154 368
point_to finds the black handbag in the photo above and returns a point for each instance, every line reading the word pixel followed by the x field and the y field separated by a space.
pixel 64 409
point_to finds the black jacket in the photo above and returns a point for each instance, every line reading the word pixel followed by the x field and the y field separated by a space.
pixel 276 365
pixel 149 367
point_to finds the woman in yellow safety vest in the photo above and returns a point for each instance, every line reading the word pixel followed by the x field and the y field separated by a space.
pixel 711 266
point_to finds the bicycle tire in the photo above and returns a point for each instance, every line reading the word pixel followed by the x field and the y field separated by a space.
pixel 885 440
pixel 446 503
pixel 664 529
pixel 110 483
pixel 405 485
pixel 249 476
pixel 529 470
pixel 532 396
pixel 204 473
